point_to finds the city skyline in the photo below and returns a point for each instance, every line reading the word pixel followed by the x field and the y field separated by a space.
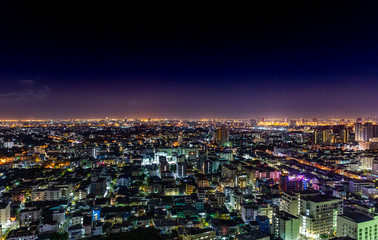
pixel 167 123
pixel 256 118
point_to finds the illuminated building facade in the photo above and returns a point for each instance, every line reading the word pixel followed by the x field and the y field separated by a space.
pixel 331 135
pixel 290 202
pixel 5 210
pixel 293 183
pixel 357 225
pixel 318 215
pixel 221 136
pixel 365 131
pixel 285 226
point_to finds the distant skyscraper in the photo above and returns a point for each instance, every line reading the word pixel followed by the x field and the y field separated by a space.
pixel 375 130
pixel 181 169
pixel 323 135
pixel 164 165
pixel 221 136
pixel 364 132
pixel 340 134
pixel 368 131
pixel 358 132
pixel 293 123
pixel 335 134
pixel 94 152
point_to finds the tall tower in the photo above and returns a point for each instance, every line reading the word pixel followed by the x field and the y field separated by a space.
pixel 358 130
pixel 323 135
pixel 221 136
pixel 368 131
pixel 363 132
pixel 340 134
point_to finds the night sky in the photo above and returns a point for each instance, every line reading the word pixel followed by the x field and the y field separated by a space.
pixel 69 61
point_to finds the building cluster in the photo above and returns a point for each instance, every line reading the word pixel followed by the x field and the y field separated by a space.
pixel 194 179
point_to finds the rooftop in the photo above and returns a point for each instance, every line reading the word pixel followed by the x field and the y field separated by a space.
pixel 356 217
pixel 254 235
pixel 320 198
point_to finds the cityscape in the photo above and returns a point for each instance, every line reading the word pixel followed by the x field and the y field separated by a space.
pixel 189 179
pixel 180 122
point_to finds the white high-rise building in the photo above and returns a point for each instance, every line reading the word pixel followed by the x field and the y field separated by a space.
pixel 290 201
pixel 94 152
pixel 366 162
pixel 9 144
pixel 285 226
pixel 375 167
pixel 363 132
pixel 357 225
pixel 4 214
pixel 318 215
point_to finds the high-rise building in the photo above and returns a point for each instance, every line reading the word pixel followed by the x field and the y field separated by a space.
pixel 358 132
pixel 5 210
pixel 331 134
pixel 318 215
pixel 181 169
pixel 368 131
pixel 323 135
pixel 285 226
pixel 290 201
pixel 94 152
pixel 340 134
pixel 293 183
pixel 357 225
pixel 9 144
pixel 293 123
pixel 375 130
pixel 366 162
pixel 364 132
pixel 164 166
pixel 375 167
pixel 221 136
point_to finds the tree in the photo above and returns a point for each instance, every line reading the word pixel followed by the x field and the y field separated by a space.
pixel 59 236
pixel 324 236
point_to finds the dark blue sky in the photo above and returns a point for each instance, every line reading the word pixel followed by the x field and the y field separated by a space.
pixel 63 61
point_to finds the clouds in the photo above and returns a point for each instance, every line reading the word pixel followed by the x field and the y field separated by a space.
pixel 27 82
pixel 27 91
